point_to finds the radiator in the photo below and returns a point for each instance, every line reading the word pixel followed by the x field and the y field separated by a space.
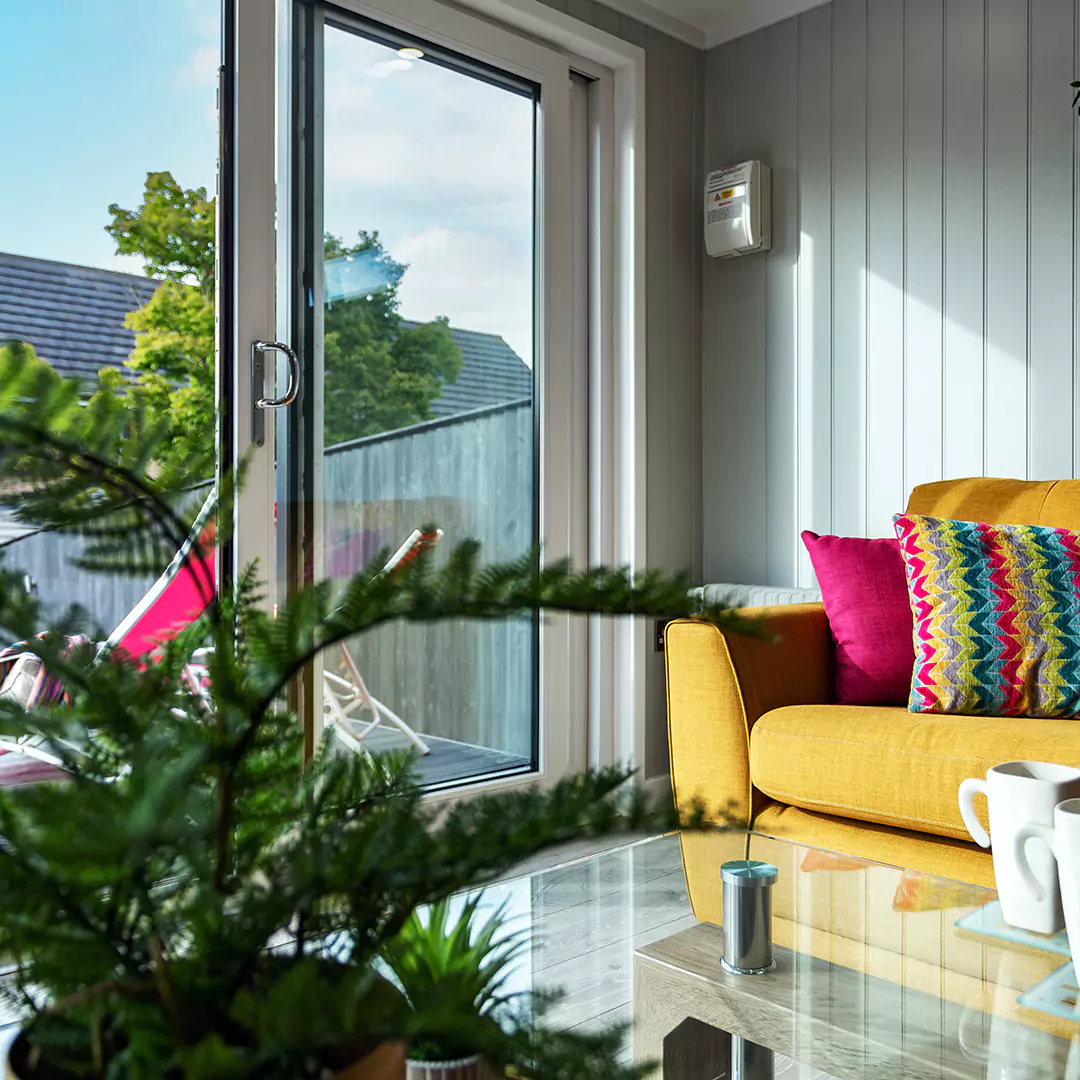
pixel 740 596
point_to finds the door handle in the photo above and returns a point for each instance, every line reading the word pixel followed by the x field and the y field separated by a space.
pixel 258 384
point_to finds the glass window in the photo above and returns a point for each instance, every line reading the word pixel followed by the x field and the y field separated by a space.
pixel 107 225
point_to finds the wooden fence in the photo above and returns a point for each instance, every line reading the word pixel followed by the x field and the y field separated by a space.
pixel 48 560
pixel 473 475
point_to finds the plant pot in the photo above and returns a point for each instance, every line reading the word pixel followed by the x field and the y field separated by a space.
pixel 385 1062
pixel 15 1061
pixel 470 1068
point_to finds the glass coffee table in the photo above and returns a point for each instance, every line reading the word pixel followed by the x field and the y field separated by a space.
pixel 874 978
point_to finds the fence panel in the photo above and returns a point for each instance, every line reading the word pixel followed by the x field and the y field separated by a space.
pixel 473 476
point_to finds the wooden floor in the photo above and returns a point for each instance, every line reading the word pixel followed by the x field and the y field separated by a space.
pixel 448 761
pixel 583 921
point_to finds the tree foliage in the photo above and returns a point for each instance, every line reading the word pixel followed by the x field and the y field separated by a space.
pixel 378 375
pixel 173 230
pixel 195 902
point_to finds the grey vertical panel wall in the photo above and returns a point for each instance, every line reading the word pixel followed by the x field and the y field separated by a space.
pixel 915 318
pixel 674 136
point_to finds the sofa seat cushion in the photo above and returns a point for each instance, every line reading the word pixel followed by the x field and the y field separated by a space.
pixel 893 767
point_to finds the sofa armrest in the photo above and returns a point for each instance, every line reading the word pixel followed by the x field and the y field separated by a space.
pixel 720 683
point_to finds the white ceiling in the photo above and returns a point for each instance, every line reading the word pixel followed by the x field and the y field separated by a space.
pixel 706 23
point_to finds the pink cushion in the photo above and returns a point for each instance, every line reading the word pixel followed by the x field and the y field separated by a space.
pixel 864 587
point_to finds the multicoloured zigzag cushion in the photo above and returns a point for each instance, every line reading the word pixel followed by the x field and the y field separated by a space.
pixel 997 617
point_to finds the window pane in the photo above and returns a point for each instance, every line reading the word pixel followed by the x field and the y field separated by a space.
pixel 428 397
pixel 111 107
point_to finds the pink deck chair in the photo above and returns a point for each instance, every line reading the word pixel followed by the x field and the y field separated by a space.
pixel 342 697
pixel 178 597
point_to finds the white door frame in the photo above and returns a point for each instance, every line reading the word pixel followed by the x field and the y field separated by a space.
pixel 252 241
pixel 563 642
pixel 619 651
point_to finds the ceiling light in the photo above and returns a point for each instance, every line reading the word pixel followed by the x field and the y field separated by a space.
pixel 411 53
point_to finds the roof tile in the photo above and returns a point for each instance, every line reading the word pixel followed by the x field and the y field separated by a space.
pixel 74 318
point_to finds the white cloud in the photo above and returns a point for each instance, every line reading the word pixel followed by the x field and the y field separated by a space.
pixel 476 280
pixel 441 165
pixel 205 17
pixel 428 127
pixel 202 67
pixel 385 68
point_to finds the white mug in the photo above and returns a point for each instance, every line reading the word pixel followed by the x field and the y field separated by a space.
pixel 1063 840
pixel 1020 793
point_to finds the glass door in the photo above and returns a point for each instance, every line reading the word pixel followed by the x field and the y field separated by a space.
pixel 422 173
pixel 427 407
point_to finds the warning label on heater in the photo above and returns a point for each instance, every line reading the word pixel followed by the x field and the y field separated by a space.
pixel 725 212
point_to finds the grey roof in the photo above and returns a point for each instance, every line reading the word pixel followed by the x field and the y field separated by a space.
pixel 74 318
pixel 72 315
pixel 491 374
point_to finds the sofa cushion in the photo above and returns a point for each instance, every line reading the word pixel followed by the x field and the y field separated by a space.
pixel 997 617
pixel 1055 503
pixel 980 498
pixel 890 766
pixel 864 588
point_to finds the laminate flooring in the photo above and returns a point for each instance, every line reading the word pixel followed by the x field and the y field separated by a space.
pixel 583 921
pixel 580 922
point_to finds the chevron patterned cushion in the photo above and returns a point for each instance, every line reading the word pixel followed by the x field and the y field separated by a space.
pixel 997 617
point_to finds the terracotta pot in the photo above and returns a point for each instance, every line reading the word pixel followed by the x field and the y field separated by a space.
pixel 470 1068
pixel 17 1052
pixel 385 1062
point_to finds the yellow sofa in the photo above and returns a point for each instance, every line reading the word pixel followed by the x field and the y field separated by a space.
pixel 753 730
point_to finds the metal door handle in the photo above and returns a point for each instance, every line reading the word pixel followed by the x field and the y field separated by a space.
pixel 258 380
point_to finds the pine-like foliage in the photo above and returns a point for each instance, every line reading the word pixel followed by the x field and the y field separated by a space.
pixel 197 901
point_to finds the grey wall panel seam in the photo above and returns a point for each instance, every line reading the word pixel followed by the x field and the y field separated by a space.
pixel 832 277
pixel 904 258
pixel 944 223
pixel 986 223
pixel 866 271
pixel 765 352
pixel 795 495
pixel 1027 269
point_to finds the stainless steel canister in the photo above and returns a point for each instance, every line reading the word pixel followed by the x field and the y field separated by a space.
pixel 749 1061
pixel 747 917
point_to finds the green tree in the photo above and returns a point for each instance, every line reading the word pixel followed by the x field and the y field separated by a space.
pixel 173 360
pixel 378 375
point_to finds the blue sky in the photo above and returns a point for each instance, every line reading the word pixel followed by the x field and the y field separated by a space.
pixel 442 165
pixel 99 92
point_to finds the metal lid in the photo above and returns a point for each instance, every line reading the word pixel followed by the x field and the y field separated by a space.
pixel 748 873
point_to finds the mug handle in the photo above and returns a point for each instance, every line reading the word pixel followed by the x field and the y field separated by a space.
pixel 1027 875
pixel 968 790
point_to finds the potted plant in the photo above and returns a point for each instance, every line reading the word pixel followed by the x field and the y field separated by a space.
pixel 197 900
pixel 453 973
